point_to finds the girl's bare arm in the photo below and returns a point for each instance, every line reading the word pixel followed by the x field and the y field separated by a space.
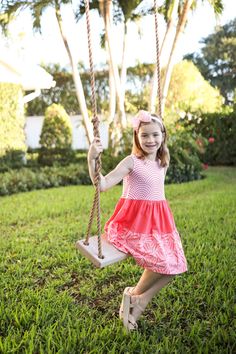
pixel 116 175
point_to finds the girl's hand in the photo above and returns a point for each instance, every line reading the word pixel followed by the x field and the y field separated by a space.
pixel 95 149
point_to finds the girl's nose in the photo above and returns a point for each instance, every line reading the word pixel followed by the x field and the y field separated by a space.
pixel 150 139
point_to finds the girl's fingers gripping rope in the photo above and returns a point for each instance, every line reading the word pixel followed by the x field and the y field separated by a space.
pixel 95 148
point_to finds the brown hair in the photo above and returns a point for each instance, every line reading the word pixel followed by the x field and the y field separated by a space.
pixel 163 151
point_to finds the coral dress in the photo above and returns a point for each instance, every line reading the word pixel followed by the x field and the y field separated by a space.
pixel 142 224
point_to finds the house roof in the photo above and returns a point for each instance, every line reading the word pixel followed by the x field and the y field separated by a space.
pixel 30 76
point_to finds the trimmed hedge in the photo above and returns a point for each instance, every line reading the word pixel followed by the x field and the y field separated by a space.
pixel 12 121
pixel 26 179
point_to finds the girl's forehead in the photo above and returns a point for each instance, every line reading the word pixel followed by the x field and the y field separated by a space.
pixel 151 127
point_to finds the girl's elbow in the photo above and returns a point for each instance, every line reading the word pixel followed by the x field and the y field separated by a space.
pixel 103 184
pixel 103 187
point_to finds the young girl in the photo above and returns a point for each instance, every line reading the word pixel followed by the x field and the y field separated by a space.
pixel 142 224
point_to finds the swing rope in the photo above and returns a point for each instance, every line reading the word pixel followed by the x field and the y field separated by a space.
pixel 95 121
pixel 98 164
pixel 158 59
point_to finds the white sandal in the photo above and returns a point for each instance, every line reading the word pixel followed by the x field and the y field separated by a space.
pixel 121 311
pixel 128 319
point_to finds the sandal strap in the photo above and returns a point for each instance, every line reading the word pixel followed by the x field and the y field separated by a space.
pixel 136 303
pixel 132 321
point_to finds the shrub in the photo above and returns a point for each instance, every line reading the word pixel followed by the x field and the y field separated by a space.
pixel 56 137
pixel 12 147
pixel 219 131
pixel 27 179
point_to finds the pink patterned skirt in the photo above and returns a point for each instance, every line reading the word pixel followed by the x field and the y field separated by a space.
pixel 146 230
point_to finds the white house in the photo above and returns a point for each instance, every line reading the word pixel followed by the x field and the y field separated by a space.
pixel 31 77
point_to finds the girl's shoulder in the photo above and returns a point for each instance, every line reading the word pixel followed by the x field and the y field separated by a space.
pixel 128 161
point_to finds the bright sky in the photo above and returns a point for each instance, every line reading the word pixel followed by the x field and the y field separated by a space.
pixel 48 47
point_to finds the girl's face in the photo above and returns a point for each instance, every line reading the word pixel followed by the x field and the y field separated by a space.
pixel 150 138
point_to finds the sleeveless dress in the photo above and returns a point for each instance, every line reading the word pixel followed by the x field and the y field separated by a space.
pixel 142 224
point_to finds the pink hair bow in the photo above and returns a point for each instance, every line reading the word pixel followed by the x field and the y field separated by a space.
pixel 142 116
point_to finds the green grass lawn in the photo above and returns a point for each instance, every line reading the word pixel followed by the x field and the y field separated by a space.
pixel 54 301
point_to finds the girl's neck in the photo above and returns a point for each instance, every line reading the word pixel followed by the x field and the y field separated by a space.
pixel 151 157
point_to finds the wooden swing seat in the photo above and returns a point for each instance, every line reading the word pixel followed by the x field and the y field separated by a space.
pixel 111 254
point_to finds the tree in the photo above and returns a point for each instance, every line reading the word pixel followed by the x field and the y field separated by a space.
pixel 11 8
pixel 182 21
pixel 169 11
pixel 113 12
pixel 217 59
pixel 127 12
pixel 184 8
pixel 190 92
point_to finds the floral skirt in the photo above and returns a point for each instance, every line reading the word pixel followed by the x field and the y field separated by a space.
pixel 146 230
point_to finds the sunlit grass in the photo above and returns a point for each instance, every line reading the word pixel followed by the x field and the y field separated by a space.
pixel 54 301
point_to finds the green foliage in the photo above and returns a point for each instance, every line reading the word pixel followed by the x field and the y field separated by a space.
pixel 13 159
pixel 10 9
pixel 217 58
pixel 185 154
pixel 122 11
pixel 28 179
pixel 56 130
pixel 219 130
pixel 189 91
pixel 56 136
pixel 12 120
pixel 54 301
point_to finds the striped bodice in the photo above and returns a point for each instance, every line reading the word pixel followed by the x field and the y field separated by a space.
pixel 145 181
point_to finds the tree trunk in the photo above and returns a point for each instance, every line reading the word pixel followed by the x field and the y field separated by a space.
pixel 112 89
pixel 112 101
pixel 180 27
pixel 76 77
pixel 169 28
pixel 105 7
pixel 124 63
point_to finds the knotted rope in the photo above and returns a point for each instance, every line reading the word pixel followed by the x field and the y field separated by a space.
pixel 98 164
pixel 95 121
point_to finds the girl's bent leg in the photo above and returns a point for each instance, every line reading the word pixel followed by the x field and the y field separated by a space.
pixel 156 281
pixel 147 280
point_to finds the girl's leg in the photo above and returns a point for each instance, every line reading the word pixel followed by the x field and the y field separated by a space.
pixel 147 280
pixel 148 286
